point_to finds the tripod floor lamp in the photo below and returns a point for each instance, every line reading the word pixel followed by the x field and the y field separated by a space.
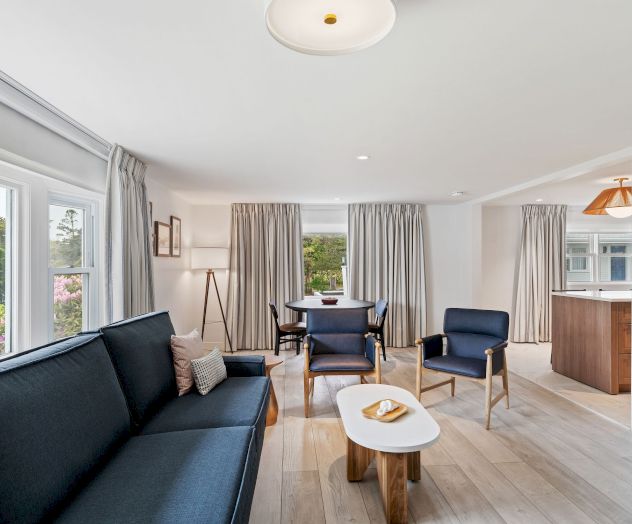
pixel 211 259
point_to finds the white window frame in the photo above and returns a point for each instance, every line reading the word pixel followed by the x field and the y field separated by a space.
pixel 594 258
pixel 11 243
pixel 90 300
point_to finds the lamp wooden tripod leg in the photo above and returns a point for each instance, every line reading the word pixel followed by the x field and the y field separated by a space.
pixel 210 273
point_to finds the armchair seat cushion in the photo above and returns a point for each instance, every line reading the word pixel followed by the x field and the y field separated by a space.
pixel 468 367
pixel 340 362
pixel 198 476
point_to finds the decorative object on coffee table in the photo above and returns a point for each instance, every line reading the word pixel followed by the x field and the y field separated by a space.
pixel 273 408
pixel 395 446
pixel 211 259
pixel 162 239
pixel 176 236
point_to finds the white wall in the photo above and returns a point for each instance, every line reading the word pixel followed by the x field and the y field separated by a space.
pixel 451 258
pixel 211 228
pixel 501 231
pixel 173 279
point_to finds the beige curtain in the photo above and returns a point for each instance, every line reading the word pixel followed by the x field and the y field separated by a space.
pixel 128 262
pixel 266 263
pixel 386 260
pixel 542 268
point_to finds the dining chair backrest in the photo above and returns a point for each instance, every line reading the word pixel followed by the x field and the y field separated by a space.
pixel 380 311
pixel 275 313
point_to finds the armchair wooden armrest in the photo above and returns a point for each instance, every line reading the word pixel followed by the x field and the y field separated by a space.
pixel 490 351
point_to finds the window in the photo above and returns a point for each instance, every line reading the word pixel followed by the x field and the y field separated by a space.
pixel 71 266
pixel 6 266
pixel 578 257
pixel 615 257
pixel 599 257
pixel 324 256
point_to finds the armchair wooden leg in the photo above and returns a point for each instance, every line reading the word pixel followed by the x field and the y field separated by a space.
pixel 488 392
pixel 453 386
pixel 306 380
pixel 311 386
pixel 505 380
pixel 306 394
pixel 419 370
pixel 378 364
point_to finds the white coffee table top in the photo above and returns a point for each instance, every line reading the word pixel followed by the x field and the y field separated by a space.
pixel 412 431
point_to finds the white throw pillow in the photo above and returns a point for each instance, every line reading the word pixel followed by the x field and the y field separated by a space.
pixel 209 371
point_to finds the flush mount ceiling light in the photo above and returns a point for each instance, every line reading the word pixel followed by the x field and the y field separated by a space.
pixel 456 194
pixel 363 157
pixel 616 202
pixel 329 27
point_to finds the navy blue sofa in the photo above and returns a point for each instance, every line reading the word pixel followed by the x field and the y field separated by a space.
pixel 92 430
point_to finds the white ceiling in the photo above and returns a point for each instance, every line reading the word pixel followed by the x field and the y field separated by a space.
pixel 474 96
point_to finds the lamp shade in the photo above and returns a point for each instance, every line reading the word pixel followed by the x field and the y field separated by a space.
pixel 333 27
pixel 209 258
pixel 616 202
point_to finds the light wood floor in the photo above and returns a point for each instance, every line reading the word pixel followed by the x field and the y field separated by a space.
pixel 544 460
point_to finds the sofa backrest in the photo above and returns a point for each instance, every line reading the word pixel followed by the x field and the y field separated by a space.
pixel 62 414
pixel 337 331
pixel 471 331
pixel 141 354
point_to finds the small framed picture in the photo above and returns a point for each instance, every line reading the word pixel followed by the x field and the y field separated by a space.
pixel 162 239
pixel 176 236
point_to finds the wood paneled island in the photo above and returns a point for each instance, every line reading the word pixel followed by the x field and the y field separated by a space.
pixel 591 338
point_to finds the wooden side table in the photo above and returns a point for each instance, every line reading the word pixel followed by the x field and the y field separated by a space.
pixel 273 406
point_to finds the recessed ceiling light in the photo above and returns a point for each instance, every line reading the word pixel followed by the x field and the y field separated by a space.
pixel 457 193
pixel 363 157
pixel 539 200
pixel 337 199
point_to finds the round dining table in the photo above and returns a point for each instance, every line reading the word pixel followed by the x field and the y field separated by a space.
pixel 302 306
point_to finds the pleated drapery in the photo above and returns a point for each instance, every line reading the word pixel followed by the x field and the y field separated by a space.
pixel 128 262
pixel 266 264
pixel 542 268
pixel 386 260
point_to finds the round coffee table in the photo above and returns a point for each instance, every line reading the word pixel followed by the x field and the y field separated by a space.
pixel 273 408
pixel 395 445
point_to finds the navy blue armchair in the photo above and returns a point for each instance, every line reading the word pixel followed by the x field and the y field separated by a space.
pixel 475 349
pixel 339 343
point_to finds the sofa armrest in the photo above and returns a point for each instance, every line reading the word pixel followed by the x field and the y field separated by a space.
pixel 245 366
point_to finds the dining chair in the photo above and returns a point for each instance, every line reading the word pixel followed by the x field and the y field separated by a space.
pixel 287 333
pixel 476 342
pixel 338 343
pixel 377 327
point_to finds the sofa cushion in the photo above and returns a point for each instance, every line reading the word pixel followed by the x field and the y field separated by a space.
pixel 208 371
pixel 340 363
pixel 185 348
pixel 237 401
pixel 62 414
pixel 198 476
pixel 141 353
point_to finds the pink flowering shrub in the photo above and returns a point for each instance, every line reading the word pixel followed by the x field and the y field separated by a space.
pixel 67 304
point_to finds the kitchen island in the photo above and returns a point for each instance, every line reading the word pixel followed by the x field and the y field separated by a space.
pixel 591 338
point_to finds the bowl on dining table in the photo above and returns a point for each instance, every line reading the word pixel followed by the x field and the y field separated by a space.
pixel 329 301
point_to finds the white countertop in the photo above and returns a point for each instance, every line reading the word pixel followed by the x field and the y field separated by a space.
pixel 412 431
pixel 605 296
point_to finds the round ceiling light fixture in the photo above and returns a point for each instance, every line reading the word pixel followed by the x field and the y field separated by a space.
pixel 330 27
pixel 616 202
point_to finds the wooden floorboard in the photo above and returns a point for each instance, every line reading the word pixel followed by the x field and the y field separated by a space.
pixel 544 460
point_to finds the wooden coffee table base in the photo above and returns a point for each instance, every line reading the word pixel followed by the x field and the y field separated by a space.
pixel 393 471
